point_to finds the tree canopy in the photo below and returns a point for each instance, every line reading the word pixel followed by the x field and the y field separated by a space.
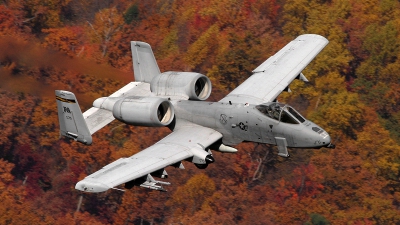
pixel 83 46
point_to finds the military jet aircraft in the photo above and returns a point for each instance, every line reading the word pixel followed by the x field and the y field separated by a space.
pixel 176 100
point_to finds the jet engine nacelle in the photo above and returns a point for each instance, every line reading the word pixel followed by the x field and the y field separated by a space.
pixel 144 111
pixel 194 86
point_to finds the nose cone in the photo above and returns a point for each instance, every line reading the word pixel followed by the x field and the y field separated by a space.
pixel 321 137
pixel 328 139
pixel 91 186
pixel 330 145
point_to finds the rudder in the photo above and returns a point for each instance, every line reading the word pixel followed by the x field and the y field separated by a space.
pixel 72 123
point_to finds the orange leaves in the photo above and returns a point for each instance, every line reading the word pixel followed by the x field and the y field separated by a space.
pixel 305 182
pixel 15 116
pixel 5 173
pixel 66 39
pixel 44 120
pixel 108 22
pixel 8 20
pixel 44 13
pixel 355 183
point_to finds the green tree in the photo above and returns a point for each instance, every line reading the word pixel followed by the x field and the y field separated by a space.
pixel 317 219
pixel 132 14
pixel 378 75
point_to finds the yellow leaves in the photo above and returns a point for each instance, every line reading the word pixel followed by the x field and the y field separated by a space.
pixel 186 10
pixel 53 18
pixel 168 45
pixel 227 12
pixel 332 83
pixel 189 197
pixel 201 48
pixel 324 86
pixel 129 148
pixel 375 209
pixel 316 17
pixel 106 25
pixel 366 11
pixel 295 14
pixel 379 151
pixel 335 57
pixel 45 13
pixel 340 113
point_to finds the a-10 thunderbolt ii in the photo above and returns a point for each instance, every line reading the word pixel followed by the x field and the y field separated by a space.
pixel 176 99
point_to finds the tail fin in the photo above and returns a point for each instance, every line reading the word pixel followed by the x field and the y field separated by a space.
pixel 72 123
pixel 144 63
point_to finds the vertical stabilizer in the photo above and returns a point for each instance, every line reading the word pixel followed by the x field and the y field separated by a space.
pixel 144 63
pixel 72 123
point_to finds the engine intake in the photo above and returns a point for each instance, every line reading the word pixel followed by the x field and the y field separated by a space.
pixel 144 111
pixel 193 86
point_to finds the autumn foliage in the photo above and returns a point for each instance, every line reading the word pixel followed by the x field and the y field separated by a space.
pixel 83 46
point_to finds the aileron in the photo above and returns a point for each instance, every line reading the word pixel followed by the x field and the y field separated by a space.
pixel 275 74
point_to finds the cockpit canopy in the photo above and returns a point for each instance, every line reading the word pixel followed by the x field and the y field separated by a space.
pixel 281 112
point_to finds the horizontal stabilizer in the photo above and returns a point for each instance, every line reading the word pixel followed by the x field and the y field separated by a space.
pixel 72 123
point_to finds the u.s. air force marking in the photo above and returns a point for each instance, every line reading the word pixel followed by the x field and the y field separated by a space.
pixel 242 126
pixel 223 119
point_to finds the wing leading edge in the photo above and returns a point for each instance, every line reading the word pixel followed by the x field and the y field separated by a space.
pixel 183 143
pixel 276 73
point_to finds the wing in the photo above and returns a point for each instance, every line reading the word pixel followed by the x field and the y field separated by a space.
pixel 276 73
pixel 183 143
pixel 97 118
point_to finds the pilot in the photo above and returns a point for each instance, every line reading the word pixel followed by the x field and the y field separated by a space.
pixel 277 111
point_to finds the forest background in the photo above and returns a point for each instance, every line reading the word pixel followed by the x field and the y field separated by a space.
pixel 83 46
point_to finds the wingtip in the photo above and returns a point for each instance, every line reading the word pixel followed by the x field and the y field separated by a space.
pixel 91 186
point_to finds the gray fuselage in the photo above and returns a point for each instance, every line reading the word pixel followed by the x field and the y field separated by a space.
pixel 244 122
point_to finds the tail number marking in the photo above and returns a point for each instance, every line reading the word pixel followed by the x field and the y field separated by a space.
pixel 67 110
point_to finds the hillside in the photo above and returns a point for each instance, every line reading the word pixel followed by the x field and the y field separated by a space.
pixel 83 46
